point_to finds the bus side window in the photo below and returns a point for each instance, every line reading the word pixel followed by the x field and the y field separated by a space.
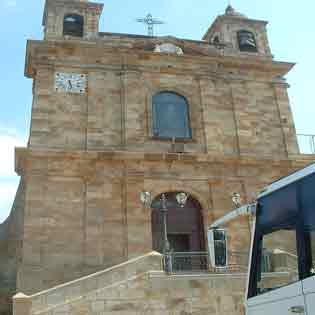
pixel 275 254
pixel 279 260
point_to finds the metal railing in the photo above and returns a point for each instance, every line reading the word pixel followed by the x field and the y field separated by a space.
pixel 306 143
pixel 199 262
pixel 178 262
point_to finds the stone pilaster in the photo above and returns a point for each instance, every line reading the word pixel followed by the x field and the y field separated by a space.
pixel 286 118
pixel 220 128
pixel 22 304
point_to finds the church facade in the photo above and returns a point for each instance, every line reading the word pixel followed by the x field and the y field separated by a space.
pixel 116 115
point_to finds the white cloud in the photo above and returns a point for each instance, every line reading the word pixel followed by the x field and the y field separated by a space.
pixel 9 139
pixel 11 3
pixel 7 144
pixel 7 194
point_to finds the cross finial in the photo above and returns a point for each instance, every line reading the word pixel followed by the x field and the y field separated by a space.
pixel 150 22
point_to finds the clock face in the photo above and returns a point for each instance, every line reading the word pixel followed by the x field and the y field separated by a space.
pixel 70 82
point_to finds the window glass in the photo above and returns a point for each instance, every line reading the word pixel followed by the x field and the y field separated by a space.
pixel 275 256
pixel 279 260
pixel 73 25
pixel 311 252
pixel 307 198
pixel 220 249
pixel 284 245
pixel 278 211
pixel 170 116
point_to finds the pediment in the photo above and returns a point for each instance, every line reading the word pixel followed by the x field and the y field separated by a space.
pixel 172 45
pixel 168 48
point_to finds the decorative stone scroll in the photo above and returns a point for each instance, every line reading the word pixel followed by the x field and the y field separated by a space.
pixel 168 48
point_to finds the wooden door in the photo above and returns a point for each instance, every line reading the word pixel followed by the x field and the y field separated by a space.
pixel 184 225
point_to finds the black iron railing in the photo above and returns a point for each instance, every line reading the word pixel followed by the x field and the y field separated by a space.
pixel 177 262
pixel 306 143
pixel 197 262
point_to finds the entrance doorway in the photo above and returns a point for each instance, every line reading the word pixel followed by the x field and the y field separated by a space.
pixel 185 229
pixel 179 242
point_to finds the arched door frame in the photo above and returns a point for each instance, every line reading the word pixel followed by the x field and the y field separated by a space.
pixel 186 230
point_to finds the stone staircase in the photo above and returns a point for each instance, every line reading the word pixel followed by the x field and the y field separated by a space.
pixel 139 286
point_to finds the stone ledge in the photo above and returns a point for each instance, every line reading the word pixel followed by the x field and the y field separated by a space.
pixel 22 154
pixel 46 49
pixel 195 276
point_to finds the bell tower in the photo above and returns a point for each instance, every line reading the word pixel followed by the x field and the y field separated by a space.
pixel 71 19
pixel 239 34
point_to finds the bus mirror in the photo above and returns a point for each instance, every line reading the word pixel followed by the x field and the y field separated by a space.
pixel 217 243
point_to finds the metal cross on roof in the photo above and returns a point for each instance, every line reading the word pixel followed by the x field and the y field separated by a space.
pixel 150 22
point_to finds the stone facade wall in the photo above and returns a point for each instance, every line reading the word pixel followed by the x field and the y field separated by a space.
pixel 228 117
pixel 139 287
pixel 11 235
pixel 91 200
pixel 90 155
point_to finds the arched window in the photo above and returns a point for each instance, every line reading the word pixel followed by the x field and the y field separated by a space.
pixel 246 41
pixel 73 25
pixel 170 116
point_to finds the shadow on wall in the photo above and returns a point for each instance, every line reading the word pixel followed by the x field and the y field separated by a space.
pixel 10 248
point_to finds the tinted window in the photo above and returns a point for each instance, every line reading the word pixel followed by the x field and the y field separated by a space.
pixel 170 116
pixel 73 25
pixel 284 244
pixel 275 261
pixel 307 198
pixel 279 261
pixel 220 249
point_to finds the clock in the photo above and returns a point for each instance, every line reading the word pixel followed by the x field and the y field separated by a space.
pixel 70 83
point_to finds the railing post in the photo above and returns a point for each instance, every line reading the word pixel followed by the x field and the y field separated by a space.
pixel 313 144
pixel 22 304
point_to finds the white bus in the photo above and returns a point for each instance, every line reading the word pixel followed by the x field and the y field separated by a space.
pixel 281 276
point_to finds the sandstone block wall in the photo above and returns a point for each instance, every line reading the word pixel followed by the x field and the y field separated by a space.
pixel 11 235
pixel 139 287
pixel 83 212
pixel 238 112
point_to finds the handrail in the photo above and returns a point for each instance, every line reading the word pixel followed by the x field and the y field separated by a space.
pixel 306 143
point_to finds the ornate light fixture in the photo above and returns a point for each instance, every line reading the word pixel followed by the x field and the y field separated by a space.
pixel 236 198
pixel 182 199
pixel 145 198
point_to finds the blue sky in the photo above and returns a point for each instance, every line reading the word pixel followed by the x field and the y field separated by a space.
pixel 291 34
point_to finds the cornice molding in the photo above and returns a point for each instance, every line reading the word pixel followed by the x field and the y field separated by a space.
pixel 24 155
pixel 44 52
